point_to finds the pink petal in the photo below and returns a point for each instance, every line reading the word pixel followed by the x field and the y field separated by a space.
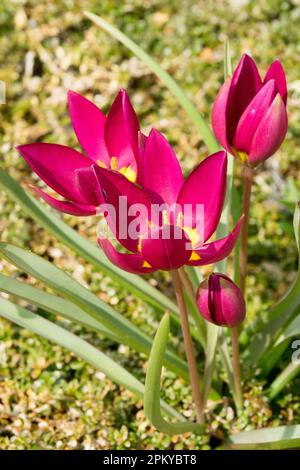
pixel 142 139
pixel 245 83
pixel 88 123
pixel 219 121
pixel 114 185
pixel 270 133
pixel 130 262
pixel 252 116
pixel 216 251
pixel 166 248
pixel 121 131
pixel 276 72
pixel 206 186
pixel 56 166
pixel 66 206
pixel 88 184
pixel 162 175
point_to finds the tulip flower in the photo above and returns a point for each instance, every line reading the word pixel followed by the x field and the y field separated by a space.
pixel 110 141
pixel 220 301
pixel 249 115
pixel 177 239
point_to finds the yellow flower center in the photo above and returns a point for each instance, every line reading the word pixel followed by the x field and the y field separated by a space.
pixel 126 171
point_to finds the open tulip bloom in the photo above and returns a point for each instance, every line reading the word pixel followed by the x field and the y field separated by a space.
pixel 249 115
pixel 110 141
pixel 177 235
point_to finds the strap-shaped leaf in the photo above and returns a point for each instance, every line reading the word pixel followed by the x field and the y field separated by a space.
pixel 53 304
pixel 169 82
pixel 282 437
pixel 271 359
pixel 152 386
pixel 286 376
pixel 213 331
pixel 279 316
pixel 78 346
pixel 70 289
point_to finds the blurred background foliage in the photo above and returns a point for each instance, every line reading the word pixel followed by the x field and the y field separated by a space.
pixel 48 397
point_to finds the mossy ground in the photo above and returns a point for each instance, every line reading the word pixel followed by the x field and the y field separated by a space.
pixel 50 399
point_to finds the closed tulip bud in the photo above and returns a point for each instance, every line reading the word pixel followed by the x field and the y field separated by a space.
pixel 249 115
pixel 220 301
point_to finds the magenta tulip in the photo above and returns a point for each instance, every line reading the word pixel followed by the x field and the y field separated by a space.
pixel 249 115
pixel 220 301
pixel 177 238
pixel 110 141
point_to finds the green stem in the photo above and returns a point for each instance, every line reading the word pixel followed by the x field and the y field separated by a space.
pixel 188 345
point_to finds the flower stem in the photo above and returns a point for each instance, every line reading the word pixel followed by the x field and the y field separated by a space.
pixel 236 368
pixel 247 180
pixel 188 345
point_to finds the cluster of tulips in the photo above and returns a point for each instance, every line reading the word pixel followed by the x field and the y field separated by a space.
pixel 249 120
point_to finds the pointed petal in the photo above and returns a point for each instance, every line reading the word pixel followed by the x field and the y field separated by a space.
pixel 270 133
pixel 276 72
pixel 166 248
pixel 88 184
pixel 206 186
pixel 213 252
pixel 130 262
pixel 121 131
pixel 88 123
pixel 66 206
pixel 253 115
pixel 124 196
pixel 219 112
pixel 56 165
pixel 245 83
pixel 162 173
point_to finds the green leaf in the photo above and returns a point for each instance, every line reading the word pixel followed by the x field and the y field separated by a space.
pixel 78 346
pixel 297 224
pixel 53 304
pixel 170 83
pixel 283 379
pixel 210 352
pixel 278 317
pixel 271 358
pixel 67 287
pixel 221 267
pixel 282 437
pixel 89 251
pixel 152 386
